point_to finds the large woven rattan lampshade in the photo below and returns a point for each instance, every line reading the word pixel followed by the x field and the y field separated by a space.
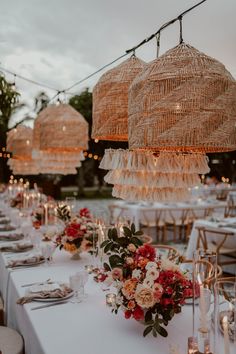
pixel 184 101
pixel 63 160
pixel 62 128
pixel 110 101
pixel 19 142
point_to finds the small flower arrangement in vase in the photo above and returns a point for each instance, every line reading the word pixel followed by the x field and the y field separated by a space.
pixel 77 234
pixel 17 202
pixel 149 289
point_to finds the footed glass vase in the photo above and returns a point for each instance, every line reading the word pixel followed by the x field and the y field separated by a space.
pixel 76 255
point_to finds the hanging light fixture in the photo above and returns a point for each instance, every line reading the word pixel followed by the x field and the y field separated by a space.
pixel 64 153
pixel 19 142
pixel 110 101
pixel 183 101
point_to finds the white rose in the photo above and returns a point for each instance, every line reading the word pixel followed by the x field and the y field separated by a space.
pixel 136 273
pixel 166 264
pixel 148 282
pixel 152 273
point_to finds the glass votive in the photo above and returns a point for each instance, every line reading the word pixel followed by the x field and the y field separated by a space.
pixel 89 268
pixel 192 345
pixel 110 299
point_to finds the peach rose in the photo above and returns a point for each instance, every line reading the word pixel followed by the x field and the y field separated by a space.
pixel 129 260
pixel 131 247
pixel 131 305
pixel 144 297
pixel 129 288
pixel 158 291
pixel 116 273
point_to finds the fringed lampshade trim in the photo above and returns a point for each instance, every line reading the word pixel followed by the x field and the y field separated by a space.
pixel 164 162
pixel 152 179
pixel 130 193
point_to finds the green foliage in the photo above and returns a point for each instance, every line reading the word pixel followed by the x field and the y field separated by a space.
pixel 8 99
pixel 117 247
pixel 63 213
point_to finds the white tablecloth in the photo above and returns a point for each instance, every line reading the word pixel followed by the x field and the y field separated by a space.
pixel 192 244
pixel 85 328
pixel 136 211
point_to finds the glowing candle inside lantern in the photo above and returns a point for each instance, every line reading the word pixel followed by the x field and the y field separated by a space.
pixel 45 214
pixel 226 334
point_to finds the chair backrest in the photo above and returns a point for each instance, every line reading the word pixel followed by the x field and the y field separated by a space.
pixel 150 217
pixel 220 238
pixel 177 215
pixel 145 238
pixel 168 251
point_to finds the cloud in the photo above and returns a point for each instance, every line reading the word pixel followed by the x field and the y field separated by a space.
pixel 60 42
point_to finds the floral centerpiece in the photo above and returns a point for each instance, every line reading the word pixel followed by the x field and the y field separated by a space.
pixel 38 216
pixel 77 235
pixel 17 201
pixel 150 289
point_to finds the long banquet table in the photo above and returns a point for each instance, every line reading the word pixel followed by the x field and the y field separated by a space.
pixel 135 211
pixel 85 328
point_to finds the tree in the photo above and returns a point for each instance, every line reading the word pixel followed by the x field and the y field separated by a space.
pixel 9 98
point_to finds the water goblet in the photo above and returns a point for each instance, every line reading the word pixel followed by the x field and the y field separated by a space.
pixel 75 283
pixel 84 278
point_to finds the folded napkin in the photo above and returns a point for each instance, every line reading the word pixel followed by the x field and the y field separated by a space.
pixel 16 247
pixel 4 221
pixel 25 260
pixel 7 228
pixel 11 237
pixel 56 292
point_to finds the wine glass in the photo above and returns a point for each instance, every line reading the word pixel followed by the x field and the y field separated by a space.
pixel 84 278
pixel 76 282
pixel 71 202
pixel 47 252
pixel 225 315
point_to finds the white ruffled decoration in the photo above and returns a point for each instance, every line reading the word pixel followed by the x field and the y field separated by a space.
pixel 164 162
pixel 152 179
pixel 131 193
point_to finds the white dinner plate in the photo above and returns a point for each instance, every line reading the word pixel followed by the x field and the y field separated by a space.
pixel 55 299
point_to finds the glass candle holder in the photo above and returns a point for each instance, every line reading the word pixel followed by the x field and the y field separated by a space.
pixel 89 268
pixel 225 316
pixel 110 299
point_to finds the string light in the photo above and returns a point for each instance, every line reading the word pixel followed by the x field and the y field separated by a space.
pixel 128 51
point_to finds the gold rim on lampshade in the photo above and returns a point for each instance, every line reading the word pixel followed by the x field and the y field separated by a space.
pixel 110 101
pixel 185 101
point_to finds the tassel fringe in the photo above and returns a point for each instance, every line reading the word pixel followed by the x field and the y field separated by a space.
pixel 152 179
pixel 131 193
pixel 164 162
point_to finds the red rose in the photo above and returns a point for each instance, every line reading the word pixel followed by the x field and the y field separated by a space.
pixel 138 313
pixel 128 314
pixel 147 251
pixel 167 301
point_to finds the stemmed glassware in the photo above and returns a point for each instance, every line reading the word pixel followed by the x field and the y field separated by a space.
pixel 225 316
pixel 205 272
pixel 77 283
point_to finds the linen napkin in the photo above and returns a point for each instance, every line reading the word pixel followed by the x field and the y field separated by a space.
pixel 11 237
pixel 24 260
pixel 16 247
pixel 7 228
pixel 46 291
pixel 4 221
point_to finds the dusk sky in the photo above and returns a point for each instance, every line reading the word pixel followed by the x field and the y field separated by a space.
pixel 58 42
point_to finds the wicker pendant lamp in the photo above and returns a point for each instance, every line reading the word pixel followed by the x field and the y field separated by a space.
pixel 68 155
pixel 62 129
pixel 110 101
pixel 183 101
pixel 19 142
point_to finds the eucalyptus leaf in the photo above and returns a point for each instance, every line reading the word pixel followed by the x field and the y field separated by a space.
pixel 147 330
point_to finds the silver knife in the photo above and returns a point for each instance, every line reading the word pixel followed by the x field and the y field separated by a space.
pixel 49 305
